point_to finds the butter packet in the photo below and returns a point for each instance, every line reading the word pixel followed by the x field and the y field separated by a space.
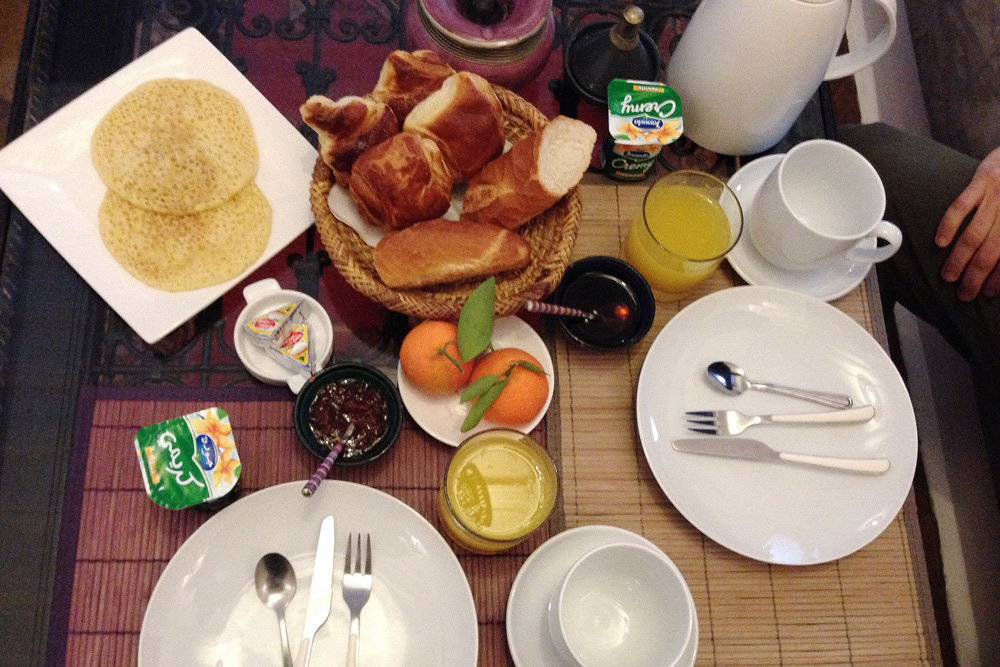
pixel 190 461
pixel 268 327
pixel 643 117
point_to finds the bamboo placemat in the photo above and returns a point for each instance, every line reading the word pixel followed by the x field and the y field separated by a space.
pixel 116 541
pixel 872 607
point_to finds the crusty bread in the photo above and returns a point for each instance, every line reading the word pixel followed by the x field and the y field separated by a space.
pixel 346 128
pixel 465 118
pixel 408 78
pixel 532 175
pixel 443 251
pixel 400 181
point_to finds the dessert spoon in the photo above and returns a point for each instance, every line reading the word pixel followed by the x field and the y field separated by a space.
pixel 730 378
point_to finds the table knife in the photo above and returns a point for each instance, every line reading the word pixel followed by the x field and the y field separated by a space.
pixel 747 448
pixel 320 592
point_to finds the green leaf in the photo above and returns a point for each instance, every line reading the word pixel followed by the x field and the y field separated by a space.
pixel 478 388
pixel 475 322
pixel 530 366
pixel 481 405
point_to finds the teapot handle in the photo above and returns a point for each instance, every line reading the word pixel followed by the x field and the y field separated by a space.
pixel 857 59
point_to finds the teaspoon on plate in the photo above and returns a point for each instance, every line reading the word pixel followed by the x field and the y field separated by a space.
pixel 275 582
pixel 730 378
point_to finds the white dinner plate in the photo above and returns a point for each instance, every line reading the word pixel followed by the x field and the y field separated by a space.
pixel 776 512
pixel 527 606
pixel 205 612
pixel 48 174
pixel 829 281
pixel 441 415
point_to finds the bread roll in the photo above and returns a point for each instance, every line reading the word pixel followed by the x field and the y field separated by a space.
pixel 400 181
pixel 465 118
pixel 442 251
pixel 408 78
pixel 534 174
pixel 346 128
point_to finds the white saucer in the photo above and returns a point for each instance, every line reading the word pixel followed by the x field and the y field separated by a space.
pixel 442 415
pixel 828 282
pixel 527 606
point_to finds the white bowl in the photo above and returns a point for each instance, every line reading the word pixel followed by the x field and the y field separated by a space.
pixel 622 605
pixel 263 296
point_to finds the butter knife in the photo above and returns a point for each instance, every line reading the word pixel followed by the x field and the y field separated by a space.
pixel 746 448
pixel 320 592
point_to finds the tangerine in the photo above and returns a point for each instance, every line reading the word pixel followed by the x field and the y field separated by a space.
pixel 526 391
pixel 424 357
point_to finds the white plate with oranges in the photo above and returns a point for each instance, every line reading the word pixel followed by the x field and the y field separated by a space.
pixel 441 414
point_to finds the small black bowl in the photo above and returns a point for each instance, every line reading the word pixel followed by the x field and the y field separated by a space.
pixel 598 283
pixel 375 378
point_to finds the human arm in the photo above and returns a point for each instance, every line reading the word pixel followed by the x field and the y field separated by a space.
pixel 975 256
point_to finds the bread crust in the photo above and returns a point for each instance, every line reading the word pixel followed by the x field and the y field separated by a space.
pixel 509 191
pixel 401 181
pixel 407 78
pixel 442 251
pixel 347 128
pixel 464 117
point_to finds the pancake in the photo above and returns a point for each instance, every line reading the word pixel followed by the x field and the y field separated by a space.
pixel 185 252
pixel 175 146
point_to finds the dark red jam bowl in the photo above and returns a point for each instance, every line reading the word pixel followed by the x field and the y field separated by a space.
pixel 338 374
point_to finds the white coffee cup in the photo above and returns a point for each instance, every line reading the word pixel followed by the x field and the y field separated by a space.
pixel 822 202
pixel 622 605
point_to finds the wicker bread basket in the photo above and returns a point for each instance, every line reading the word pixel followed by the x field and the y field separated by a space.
pixel 551 236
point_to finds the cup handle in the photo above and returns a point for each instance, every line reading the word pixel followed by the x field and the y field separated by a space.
pixel 886 231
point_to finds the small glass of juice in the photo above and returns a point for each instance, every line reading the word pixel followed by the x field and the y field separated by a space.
pixel 688 223
pixel 500 486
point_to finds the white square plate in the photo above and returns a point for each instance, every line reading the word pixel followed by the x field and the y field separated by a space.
pixel 49 176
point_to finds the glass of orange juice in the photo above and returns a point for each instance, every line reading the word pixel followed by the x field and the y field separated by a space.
pixel 688 222
pixel 500 486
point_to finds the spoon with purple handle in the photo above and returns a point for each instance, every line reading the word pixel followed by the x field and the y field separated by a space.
pixel 324 468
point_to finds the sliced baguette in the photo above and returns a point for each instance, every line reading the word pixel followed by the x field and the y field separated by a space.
pixel 534 174
pixel 443 251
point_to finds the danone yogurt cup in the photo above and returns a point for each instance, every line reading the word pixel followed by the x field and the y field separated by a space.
pixel 643 117
pixel 190 461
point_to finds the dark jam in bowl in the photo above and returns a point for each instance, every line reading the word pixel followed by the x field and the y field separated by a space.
pixel 344 402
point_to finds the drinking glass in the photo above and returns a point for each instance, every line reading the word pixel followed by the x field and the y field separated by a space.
pixel 688 223
pixel 500 486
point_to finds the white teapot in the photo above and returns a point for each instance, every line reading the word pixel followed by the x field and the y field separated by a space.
pixel 745 69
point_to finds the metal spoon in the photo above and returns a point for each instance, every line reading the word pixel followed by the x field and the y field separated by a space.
pixel 730 378
pixel 275 581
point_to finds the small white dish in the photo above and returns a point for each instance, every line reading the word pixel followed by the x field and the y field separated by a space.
pixel 827 282
pixel 622 605
pixel 49 176
pixel 262 297
pixel 527 605
pixel 441 416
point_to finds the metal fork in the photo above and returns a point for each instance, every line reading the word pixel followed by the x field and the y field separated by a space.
pixel 357 590
pixel 731 422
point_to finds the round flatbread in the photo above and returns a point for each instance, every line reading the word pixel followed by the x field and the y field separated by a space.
pixel 175 146
pixel 185 252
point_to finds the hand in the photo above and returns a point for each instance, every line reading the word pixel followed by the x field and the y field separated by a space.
pixel 975 257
